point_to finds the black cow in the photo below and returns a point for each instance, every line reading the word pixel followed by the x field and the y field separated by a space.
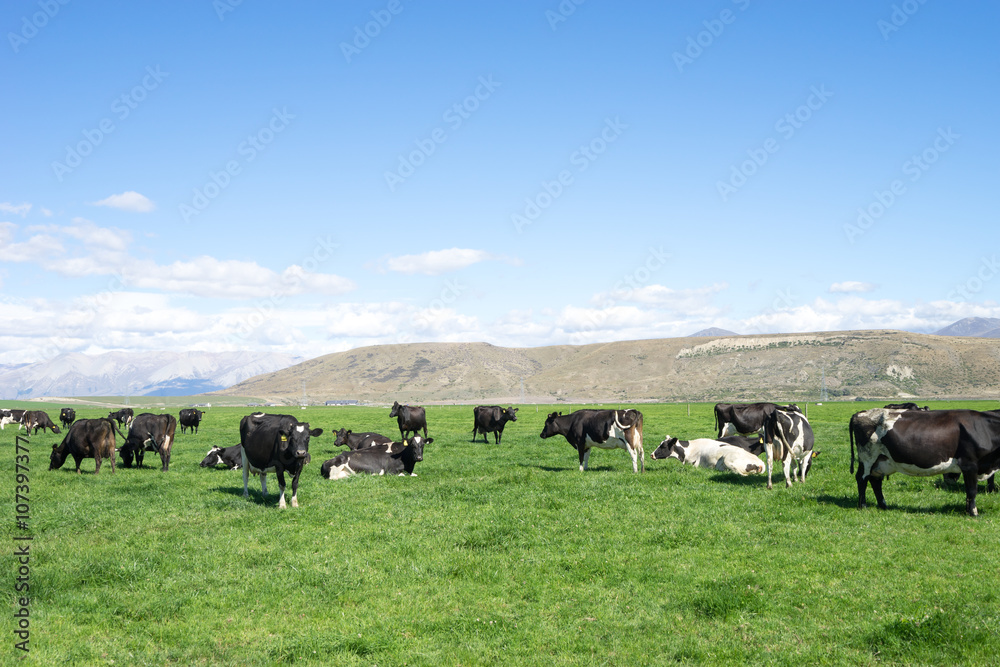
pixel 67 416
pixel 11 417
pixel 734 418
pixel 491 419
pixel 905 406
pixel 788 437
pixel 190 418
pixel 37 419
pixel 149 433
pixel 605 429
pixel 227 456
pixel 751 443
pixel 397 458
pixel 924 444
pixel 410 419
pixel 123 416
pixel 351 440
pixel 86 439
pixel 278 444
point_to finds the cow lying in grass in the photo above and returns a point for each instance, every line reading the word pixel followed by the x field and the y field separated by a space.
pixel 708 453
pixel 395 458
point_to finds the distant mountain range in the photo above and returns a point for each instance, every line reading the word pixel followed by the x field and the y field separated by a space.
pixel 136 373
pixel 979 327
pixel 715 332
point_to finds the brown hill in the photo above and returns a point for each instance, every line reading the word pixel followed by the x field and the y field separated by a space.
pixel 870 364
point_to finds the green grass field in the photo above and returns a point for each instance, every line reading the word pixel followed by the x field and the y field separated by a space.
pixel 499 555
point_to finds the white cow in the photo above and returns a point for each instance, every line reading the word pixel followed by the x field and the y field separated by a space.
pixel 788 437
pixel 708 453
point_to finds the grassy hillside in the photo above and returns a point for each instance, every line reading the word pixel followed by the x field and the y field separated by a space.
pixel 871 364
pixel 499 556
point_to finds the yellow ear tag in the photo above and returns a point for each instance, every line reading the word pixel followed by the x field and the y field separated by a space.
pixel 284 438
pixel 406 444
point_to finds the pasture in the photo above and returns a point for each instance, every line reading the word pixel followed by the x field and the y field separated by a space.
pixel 500 555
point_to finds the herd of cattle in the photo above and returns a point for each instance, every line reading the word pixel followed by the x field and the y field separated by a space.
pixel 896 438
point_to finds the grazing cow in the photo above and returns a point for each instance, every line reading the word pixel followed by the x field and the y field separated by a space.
pixel 67 416
pixel 410 419
pixel 605 429
pixel 190 418
pixel 735 418
pixel 229 457
pixel 346 437
pixel 905 406
pixel 924 444
pixel 11 417
pixel 278 444
pixel 37 419
pixel 149 433
pixel 708 453
pixel 86 439
pixel 123 417
pixel 397 458
pixel 491 419
pixel 788 437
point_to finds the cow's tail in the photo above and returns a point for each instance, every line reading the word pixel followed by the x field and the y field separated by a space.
pixel 718 426
pixel 633 433
pixel 114 426
pixel 850 430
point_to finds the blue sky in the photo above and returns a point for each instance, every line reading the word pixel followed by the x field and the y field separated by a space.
pixel 311 177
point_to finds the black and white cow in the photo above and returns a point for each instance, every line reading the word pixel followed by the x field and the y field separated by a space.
pixel 149 432
pixel 409 418
pixel 788 438
pixel 86 439
pixel 491 419
pixel 37 419
pixel 923 444
pixel 905 406
pixel 604 429
pixel 278 444
pixel 708 453
pixel 736 418
pixel 352 440
pixel 11 417
pixel 67 416
pixel 396 458
pixel 751 443
pixel 123 416
pixel 190 418
pixel 229 457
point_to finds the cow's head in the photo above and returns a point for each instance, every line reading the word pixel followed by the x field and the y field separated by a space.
pixel 670 448
pixel 511 413
pixel 58 457
pixel 416 444
pixel 212 458
pixel 294 440
pixel 395 409
pixel 549 429
pixel 340 437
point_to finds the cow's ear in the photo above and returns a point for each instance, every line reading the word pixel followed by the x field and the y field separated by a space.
pixel 428 440
pixel 316 432
pixel 406 443
pixel 55 447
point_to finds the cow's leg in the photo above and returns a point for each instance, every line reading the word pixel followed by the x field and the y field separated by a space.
pixel 246 472
pixel 786 465
pixel 769 460
pixel 281 489
pixel 263 484
pixel 862 487
pixel 876 483
pixel 991 484
pixel 971 486
pixel 295 489
pixel 728 429
pixel 584 458
pixel 97 463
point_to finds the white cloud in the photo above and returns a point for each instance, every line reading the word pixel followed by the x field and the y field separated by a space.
pixel 16 209
pixel 688 300
pixel 851 286
pixel 128 201
pixel 436 262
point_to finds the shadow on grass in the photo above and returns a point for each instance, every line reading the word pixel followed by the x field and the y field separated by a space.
pixel 851 502
pixel 564 469
pixel 255 496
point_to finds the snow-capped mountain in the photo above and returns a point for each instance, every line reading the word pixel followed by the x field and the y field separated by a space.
pixel 137 374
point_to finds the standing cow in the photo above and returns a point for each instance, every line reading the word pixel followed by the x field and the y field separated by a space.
pixel 190 418
pixel 788 437
pixel 38 419
pixel 123 417
pixel 491 419
pixel 86 439
pixel 409 418
pixel 67 416
pixel 736 418
pixel 149 433
pixel 278 444
pixel 604 429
